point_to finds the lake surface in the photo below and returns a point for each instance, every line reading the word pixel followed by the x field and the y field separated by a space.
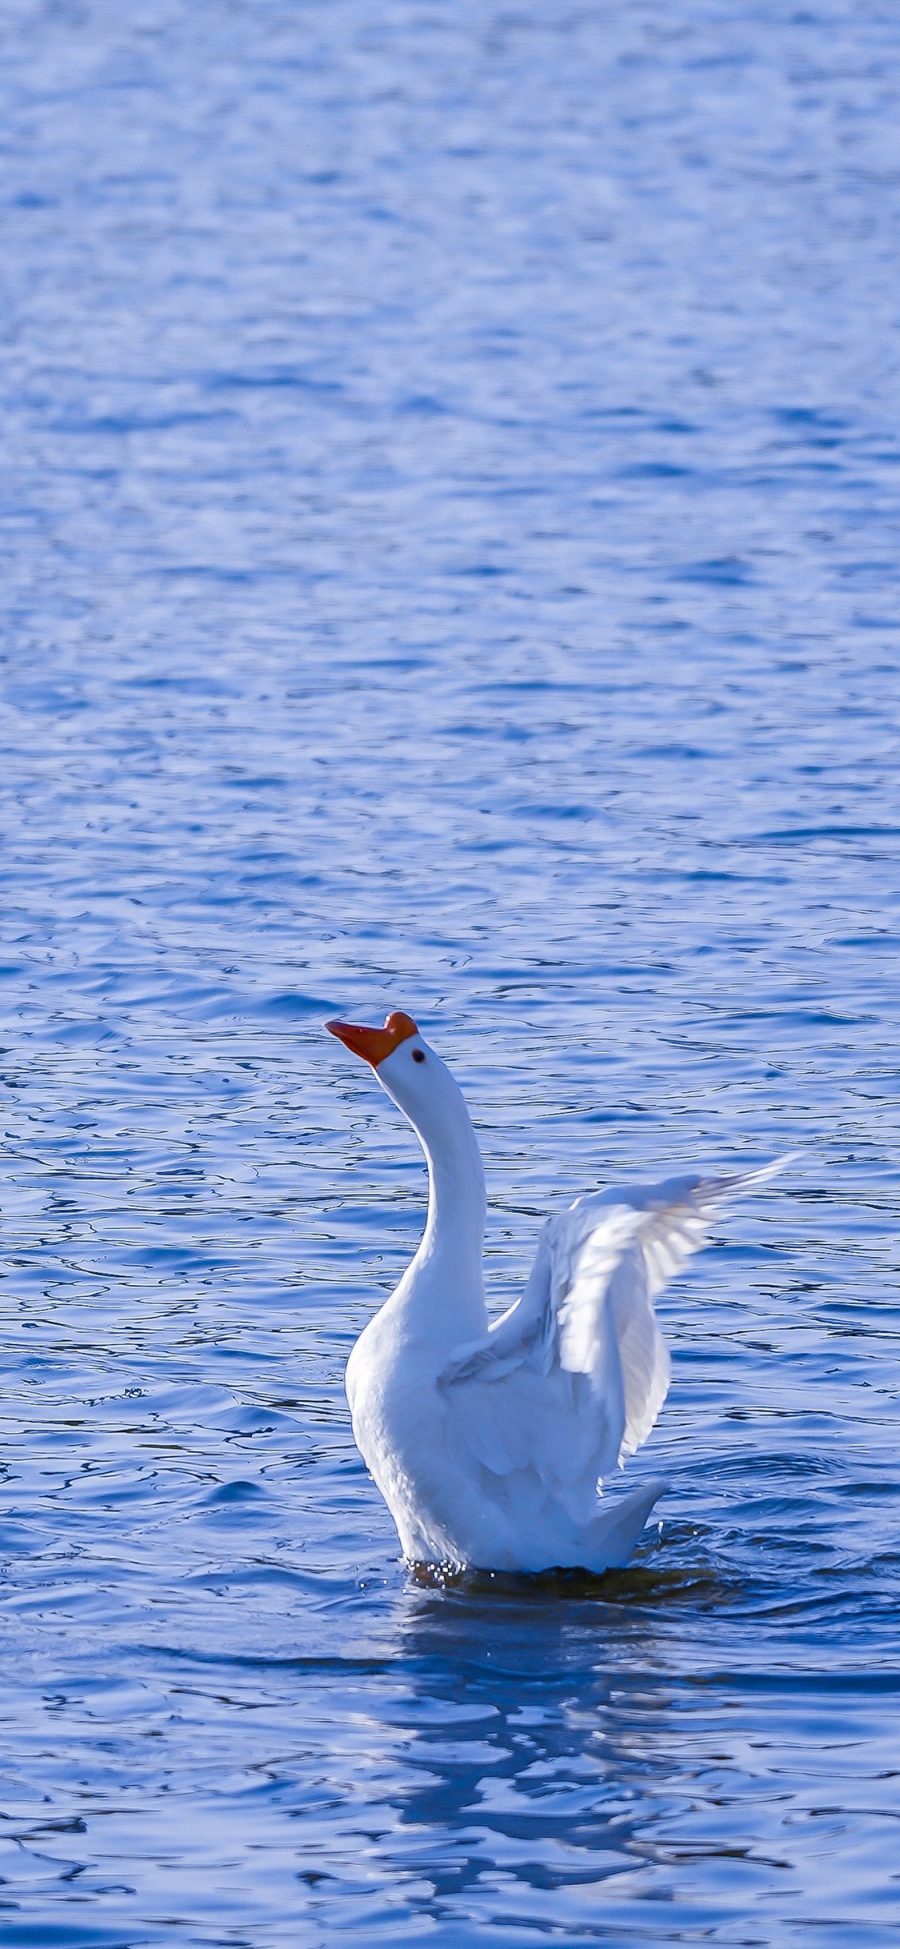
pixel 449 525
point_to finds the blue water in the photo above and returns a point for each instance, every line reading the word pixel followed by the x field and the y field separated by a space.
pixel 449 527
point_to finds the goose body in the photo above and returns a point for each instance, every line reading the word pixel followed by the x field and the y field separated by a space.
pixel 489 1440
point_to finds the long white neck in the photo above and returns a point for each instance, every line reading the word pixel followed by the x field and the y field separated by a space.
pixel 456 1204
pixel 442 1291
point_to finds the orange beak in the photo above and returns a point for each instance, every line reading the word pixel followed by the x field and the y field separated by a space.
pixel 374 1044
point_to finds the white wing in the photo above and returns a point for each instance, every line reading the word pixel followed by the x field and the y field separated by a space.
pixel 571 1379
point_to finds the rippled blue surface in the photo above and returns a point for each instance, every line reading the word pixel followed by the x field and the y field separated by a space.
pixel 449 536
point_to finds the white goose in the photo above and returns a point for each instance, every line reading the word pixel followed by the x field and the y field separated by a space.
pixel 488 1440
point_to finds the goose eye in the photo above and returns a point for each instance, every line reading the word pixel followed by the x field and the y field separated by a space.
pixel 418 1055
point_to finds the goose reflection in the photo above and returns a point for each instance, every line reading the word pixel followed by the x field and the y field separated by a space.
pixel 531 1732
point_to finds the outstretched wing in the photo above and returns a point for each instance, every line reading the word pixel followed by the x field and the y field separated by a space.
pixel 582 1363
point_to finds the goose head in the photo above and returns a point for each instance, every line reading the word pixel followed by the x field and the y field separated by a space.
pixel 415 1078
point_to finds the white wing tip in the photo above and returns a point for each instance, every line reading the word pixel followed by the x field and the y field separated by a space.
pixel 760 1174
